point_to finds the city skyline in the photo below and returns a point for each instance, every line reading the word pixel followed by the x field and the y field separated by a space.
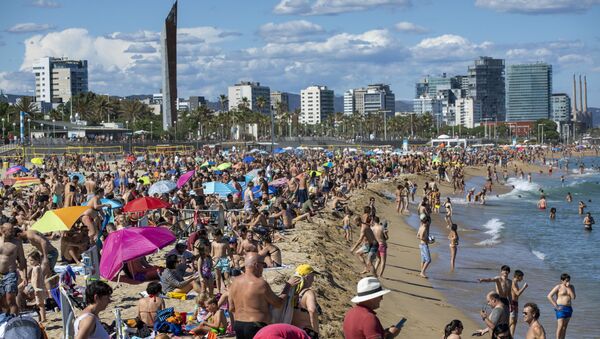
pixel 290 45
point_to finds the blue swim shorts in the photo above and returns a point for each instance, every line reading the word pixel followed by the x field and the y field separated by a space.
pixel 563 312
pixel 425 255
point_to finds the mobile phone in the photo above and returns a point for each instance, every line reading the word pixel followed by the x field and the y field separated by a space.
pixel 400 323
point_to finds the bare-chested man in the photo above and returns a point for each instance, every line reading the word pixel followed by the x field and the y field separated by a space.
pixel 58 191
pixel 565 294
pixel 381 237
pixel 503 283
pixel 250 297
pixel 11 256
pixel 368 250
pixel 423 236
pixel 90 186
pixel 531 314
pixel 515 292
pixel 248 245
pixel 219 253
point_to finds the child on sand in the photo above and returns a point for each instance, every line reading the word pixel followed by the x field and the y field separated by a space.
pixel 346 224
pixel 200 308
pixel 37 283
pixel 215 321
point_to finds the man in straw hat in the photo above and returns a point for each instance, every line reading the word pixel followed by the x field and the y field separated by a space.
pixel 361 321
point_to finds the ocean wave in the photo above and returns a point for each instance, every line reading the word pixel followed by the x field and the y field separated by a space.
pixel 494 227
pixel 539 255
pixel 523 185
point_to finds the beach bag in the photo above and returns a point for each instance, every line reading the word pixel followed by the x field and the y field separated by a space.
pixel 163 314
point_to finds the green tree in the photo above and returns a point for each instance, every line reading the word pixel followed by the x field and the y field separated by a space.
pixel 133 111
pixel 26 104
pixel 223 100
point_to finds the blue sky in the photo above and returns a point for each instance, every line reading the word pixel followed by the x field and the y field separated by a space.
pixel 291 44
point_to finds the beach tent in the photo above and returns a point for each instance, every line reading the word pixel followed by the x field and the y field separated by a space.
pixel 129 244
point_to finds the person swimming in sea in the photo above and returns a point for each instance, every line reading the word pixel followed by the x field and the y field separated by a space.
pixel 552 213
pixel 569 197
pixel 588 221
pixel 542 202
pixel 582 207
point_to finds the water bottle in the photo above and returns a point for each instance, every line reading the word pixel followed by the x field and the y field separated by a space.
pixel 87 263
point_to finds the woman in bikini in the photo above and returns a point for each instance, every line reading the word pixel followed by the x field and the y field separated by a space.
pixel 271 253
pixel 148 306
pixel 453 237
pixel 306 309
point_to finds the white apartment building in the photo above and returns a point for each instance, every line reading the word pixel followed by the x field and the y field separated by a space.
pixel 316 103
pixel 58 79
pixel 252 91
pixel 349 106
pixel 466 113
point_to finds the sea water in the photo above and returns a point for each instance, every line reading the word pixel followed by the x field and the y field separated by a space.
pixel 511 230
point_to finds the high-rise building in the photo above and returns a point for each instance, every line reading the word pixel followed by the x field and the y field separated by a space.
pixel 528 92
pixel 196 101
pixel 280 97
pixel 466 112
pixel 379 98
pixel 486 87
pixel 168 47
pixel 349 106
pixel 374 98
pixel 58 79
pixel 561 108
pixel 247 93
pixel 316 104
pixel 426 104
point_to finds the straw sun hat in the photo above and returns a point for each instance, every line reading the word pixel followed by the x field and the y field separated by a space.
pixel 368 288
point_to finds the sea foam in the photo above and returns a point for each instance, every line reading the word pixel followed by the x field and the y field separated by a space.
pixel 539 254
pixel 494 227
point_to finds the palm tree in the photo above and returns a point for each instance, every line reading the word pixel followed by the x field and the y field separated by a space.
pixel 132 110
pixel 223 100
pixel 83 104
pixel 245 104
pixel 26 104
pixel 102 107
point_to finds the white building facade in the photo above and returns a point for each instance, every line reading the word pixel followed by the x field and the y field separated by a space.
pixel 316 103
pixel 466 113
pixel 58 79
pixel 252 91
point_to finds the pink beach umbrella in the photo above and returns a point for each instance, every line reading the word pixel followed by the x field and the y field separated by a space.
pixel 184 178
pixel 129 244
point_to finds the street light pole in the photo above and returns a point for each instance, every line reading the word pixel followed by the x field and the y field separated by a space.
pixel 151 129
pixel 53 128
pixel 3 129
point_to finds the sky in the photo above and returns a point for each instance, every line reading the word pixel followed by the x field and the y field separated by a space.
pixel 289 45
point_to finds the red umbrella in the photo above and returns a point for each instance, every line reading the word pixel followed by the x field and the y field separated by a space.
pixel 144 204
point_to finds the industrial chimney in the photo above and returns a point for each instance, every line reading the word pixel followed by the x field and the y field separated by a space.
pixel 574 98
pixel 584 94
pixel 580 95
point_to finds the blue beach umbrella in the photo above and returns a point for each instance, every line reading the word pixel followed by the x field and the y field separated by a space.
pixel 258 194
pixel 248 159
pixel 219 188
pixel 162 187
pixel 171 171
pixel 278 150
pixel 113 203
pixel 79 176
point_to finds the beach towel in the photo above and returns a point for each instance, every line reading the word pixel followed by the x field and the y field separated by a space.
pixel 285 313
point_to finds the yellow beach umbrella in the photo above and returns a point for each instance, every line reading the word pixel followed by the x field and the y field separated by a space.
pixel 61 219
pixel 224 166
pixel 37 161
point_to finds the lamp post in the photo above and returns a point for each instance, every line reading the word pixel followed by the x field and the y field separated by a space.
pixel 53 128
pixel 2 128
pixel 41 126
pixel 175 124
pixel 29 123
pixel 542 134
pixel 151 129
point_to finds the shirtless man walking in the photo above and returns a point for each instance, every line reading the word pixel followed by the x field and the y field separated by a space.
pixel 565 294
pixel 218 251
pixel 381 237
pixel 369 247
pixel 531 314
pixel 11 254
pixel 423 236
pixel 250 297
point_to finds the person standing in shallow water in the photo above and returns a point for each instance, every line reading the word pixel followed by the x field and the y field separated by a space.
pixel 588 221
pixel 453 237
pixel 565 294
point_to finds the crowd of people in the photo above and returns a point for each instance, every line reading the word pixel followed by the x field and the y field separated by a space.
pixel 223 264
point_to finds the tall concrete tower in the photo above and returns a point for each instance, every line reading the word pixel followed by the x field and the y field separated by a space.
pixel 168 44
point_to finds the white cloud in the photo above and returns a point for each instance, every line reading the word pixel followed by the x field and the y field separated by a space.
pixel 332 7
pixel 139 36
pixel 448 47
pixel 29 27
pixel 291 31
pixel 376 45
pixel 575 59
pixel 538 6
pixel 528 53
pixel 45 4
pixel 16 82
pixel 140 48
pixel 409 27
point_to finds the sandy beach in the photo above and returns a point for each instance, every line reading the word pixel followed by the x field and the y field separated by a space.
pixel 321 244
